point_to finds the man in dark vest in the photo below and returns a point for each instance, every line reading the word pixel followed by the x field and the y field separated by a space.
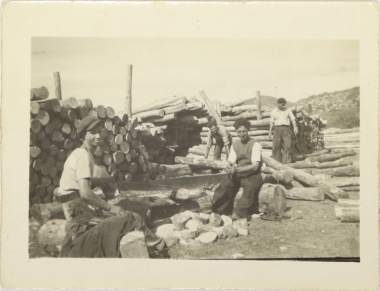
pixel 245 171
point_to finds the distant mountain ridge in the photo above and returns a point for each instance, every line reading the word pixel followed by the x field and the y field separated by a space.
pixel 268 101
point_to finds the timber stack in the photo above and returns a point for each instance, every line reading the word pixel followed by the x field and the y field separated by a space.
pixel 53 137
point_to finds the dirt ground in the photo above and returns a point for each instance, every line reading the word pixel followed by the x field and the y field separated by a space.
pixel 312 232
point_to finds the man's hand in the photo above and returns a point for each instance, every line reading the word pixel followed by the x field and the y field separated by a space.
pixel 116 210
pixel 295 130
pixel 206 156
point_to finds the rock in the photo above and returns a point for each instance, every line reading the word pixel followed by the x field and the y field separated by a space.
pixel 168 233
pixel 193 224
pixel 189 242
pixel 218 231
pixel 132 245
pixel 188 234
pixel 202 228
pixel 283 249
pixel 190 214
pixel 226 220
pixel 205 217
pixel 207 237
pixel 229 231
pixel 215 219
pixel 242 223
pixel 182 194
pixel 237 256
pixel 242 231
pixel 51 235
pixel 179 221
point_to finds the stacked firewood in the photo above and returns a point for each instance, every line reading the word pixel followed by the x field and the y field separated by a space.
pixel 342 138
pixel 310 137
pixel 53 137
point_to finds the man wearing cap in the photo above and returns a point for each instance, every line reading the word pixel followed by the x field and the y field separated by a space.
pixel 222 139
pixel 281 118
pixel 82 208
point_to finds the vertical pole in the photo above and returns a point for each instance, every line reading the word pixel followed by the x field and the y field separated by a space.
pixel 57 82
pixel 128 97
pixel 259 116
pixel 209 106
pixel 218 108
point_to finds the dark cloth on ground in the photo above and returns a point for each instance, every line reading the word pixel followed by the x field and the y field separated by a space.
pixel 102 240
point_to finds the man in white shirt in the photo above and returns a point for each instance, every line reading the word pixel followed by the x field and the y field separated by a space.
pixel 281 118
pixel 245 171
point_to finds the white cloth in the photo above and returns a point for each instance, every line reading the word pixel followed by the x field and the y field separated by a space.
pixel 255 156
pixel 79 165
pixel 281 117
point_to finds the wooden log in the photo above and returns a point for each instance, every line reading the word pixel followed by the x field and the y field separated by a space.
pixel 162 120
pixel 128 91
pixel 50 160
pixel 34 151
pixel 117 120
pixel 259 116
pixel 110 112
pixel 101 111
pixel 56 180
pixel 69 103
pixel 171 101
pixel 296 193
pixel 125 118
pixel 344 181
pixel 343 146
pixel 332 191
pixel 43 117
pixel 158 113
pixel 315 154
pixel 35 125
pixel 87 103
pixel 34 108
pixel 302 165
pixel 57 136
pixel 128 157
pixel 71 115
pixel 177 170
pixel 45 170
pixel 339 163
pixel 40 191
pixel 339 209
pixel 201 163
pixel 209 106
pixel 254 123
pixel 53 172
pixel 133 168
pixel 37 164
pixel 350 215
pixel 247 115
pixel 118 157
pixel 81 111
pixel 282 175
pixel 45 181
pixel 33 139
pixel 340 131
pixel 348 171
pixel 93 113
pixel 41 135
pixel 124 147
pixel 61 155
pixel 330 157
pixel 107 159
pixel 41 93
pixel 113 146
pixel 119 139
pixel 57 85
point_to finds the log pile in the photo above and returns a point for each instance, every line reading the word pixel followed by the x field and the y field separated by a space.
pixel 53 137
pixel 342 138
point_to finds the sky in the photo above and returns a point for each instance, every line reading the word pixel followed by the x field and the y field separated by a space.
pixel 226 69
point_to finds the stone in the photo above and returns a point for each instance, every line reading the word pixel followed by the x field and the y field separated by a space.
pixel 168 233
pixel 242 223
pixel 202 228
pixel 237 256
pixel 215 219
pixel 193 224
pixel 207 237
pixel 182 194
pixel 51 235
pixel 179 221
pixel 242 231
pixel 205 217
pixel 132 245
pixel 218 231
pixel 188 234
pixel 229 231
pixel 226 220
pixel 190 214
pixel 283 249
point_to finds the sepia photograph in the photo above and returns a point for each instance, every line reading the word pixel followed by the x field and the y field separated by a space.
pixel 185 145
pixel 194 149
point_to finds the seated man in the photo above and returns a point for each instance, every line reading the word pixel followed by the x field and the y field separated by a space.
pixel 222 139
pixel 244 169
pixel 83 209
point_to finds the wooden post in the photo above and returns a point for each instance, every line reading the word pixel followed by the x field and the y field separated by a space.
pixel 209 106
pixel 259 116
pixel 218 108
pixel 128 97
pixel 57 82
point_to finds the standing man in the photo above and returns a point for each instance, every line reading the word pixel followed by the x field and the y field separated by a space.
pixel 83 209
pixel 244 168
pixel 282 136
pixel 222 138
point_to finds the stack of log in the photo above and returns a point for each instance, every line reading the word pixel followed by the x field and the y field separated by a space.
pixel 342 138
pixel 53 136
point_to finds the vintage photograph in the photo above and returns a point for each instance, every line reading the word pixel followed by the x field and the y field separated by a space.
pixel 190 149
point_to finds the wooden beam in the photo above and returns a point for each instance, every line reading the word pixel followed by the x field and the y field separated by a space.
pixel 128 97
pixel 259 116
pixel 57 82
pixel 209 106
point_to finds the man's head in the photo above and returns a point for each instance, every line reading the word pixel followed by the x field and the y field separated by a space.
pixel 242 127
pixel 212 125
pixel 89 130
pixel 281 102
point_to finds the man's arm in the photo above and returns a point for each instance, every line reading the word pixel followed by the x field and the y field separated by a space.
pixel 271 124
pixel 209 143
pixel 227 150
pixel 87 194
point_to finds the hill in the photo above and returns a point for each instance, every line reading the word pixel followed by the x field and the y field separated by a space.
pixel 341 109
pixel 269 101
